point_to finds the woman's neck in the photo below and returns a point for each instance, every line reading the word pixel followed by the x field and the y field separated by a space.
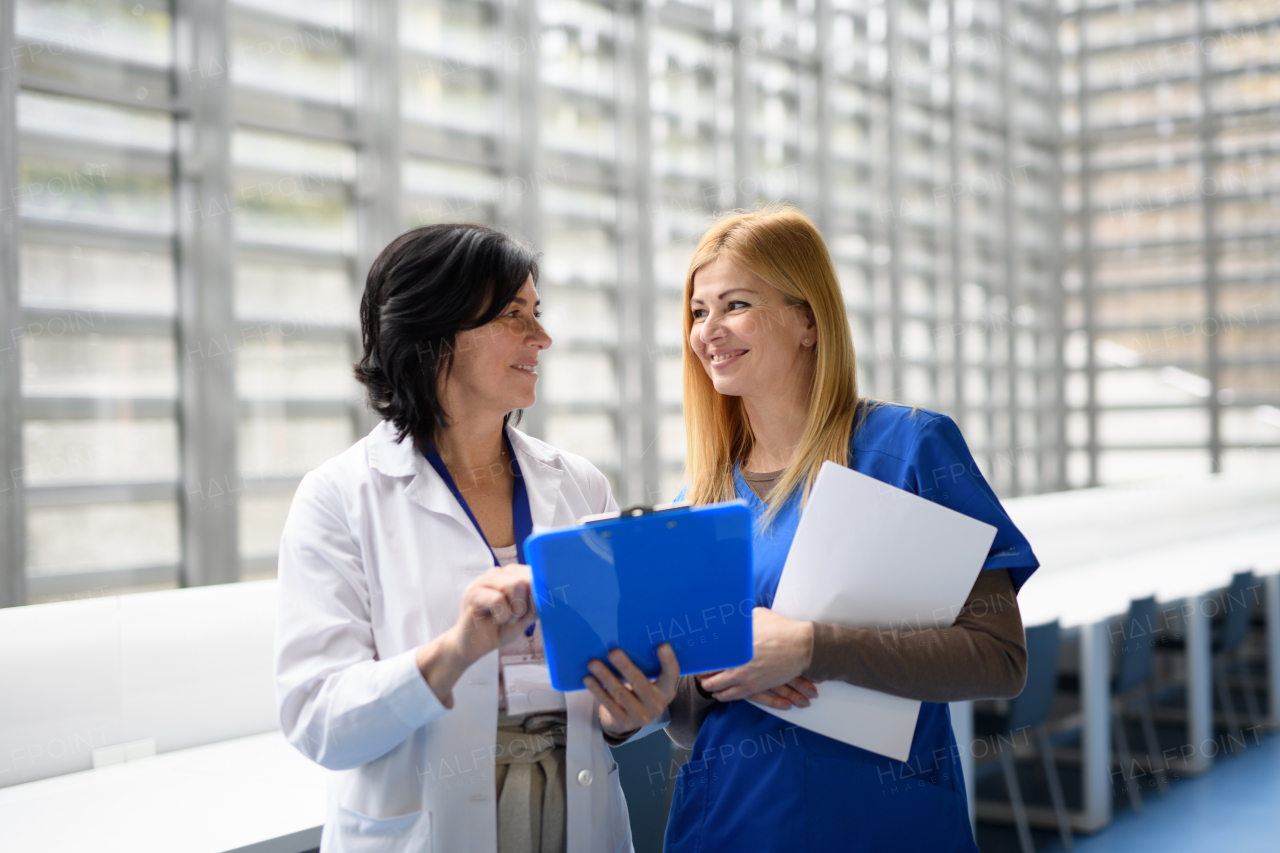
pixel 470 446
pixel 777 425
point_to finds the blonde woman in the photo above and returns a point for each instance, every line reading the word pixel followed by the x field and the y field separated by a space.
pixel 770 394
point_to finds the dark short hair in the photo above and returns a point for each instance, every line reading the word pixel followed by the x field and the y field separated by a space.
pixel 424 288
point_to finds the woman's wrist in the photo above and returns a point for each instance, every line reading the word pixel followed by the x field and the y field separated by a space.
pixel 442 663
pixel 804 647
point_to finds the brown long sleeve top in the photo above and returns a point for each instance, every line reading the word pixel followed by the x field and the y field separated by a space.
pixel 982 655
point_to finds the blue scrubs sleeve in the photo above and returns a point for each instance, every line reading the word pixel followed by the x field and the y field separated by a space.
pixel 946 473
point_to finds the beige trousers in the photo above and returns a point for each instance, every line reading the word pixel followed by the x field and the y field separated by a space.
pixel 530 785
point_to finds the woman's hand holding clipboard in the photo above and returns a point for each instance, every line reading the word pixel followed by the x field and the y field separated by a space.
pixel 679 577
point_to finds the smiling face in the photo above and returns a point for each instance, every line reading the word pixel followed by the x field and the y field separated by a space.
pixel 748 339
pixel 495 366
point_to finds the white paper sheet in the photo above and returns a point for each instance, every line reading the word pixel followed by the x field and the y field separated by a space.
pixel 867 554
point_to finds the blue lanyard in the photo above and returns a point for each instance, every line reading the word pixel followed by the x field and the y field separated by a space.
pixel 521 519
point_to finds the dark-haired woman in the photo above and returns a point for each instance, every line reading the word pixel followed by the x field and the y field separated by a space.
pixel 408 658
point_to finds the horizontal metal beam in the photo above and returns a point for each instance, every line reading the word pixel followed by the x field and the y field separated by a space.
pixel 453 156
pixel 1103 447
pixel 99 581
pixel 1192 36
pixel 1191 242
pixel 306 131
pixel 101 231
pixel 1175 126
pixel 1160 285
pixel 100 408
pixel 101 493
pixel 50 86
pixel 1224 320
pixel 1160 407
pixel 117 408
pixel 334 255
pixel 84 494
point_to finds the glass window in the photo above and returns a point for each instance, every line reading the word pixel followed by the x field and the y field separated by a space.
pixel 988 205
pixel 1181 335
pixel 98 292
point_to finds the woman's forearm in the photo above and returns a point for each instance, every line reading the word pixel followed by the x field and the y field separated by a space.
pixel 442 664
pixel 688 709
pixel 982 656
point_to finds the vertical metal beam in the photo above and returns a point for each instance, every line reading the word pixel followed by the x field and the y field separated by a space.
pixel 1057 300
pixel 206 318
pixel 378 192
pixel 508 141
pixel 529 155
pixel 893 166
pixel 824 211
pixel 720 64
pixel 1086 245
pixel 13 582
pixel 1010 199
pixel 957 227
pixel 743 132
pixel 1208 133
pixel 649 464
pixel 379 213
pixel 629 351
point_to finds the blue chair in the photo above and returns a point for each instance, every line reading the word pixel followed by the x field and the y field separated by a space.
pixel 1230 629
pixel 1030 711
pixel 1237 618
pixel 1134 669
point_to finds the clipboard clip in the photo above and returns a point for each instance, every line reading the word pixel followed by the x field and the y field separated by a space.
pixel 633 512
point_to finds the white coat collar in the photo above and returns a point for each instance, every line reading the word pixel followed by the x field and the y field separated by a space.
pixel 538 464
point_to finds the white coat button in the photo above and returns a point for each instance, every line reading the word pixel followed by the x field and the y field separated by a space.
pixel 584 778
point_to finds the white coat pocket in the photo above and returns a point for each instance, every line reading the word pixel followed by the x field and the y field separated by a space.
pixel 360 833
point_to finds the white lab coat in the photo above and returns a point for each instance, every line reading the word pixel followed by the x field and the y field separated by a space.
pixel 373 560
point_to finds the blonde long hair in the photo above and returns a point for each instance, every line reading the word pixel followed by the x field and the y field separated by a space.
pixel 784 248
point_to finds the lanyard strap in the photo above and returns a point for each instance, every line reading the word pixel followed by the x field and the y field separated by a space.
pixel 521 518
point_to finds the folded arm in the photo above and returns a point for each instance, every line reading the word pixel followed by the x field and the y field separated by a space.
pixel 983 655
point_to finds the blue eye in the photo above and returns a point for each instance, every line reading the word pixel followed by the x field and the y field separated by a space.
pixel 699 313
pixel 738 302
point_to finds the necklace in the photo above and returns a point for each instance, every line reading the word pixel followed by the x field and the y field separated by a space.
pixel 502 451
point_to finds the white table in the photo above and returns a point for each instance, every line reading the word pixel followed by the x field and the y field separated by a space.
pixel 251 795
pixel 1180 576
pixel 1176 540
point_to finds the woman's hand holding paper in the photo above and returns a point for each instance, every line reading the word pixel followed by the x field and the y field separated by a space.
pixel 783 650
pixel 630 706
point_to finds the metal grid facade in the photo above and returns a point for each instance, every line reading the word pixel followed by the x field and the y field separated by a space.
pixel 1171 118
pixel 195 189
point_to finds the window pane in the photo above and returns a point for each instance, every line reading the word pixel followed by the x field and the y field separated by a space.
pixel 77 364
pixel 72 452
pixel 97 278
pixel 101 537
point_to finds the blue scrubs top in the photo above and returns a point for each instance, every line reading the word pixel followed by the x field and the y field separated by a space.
pixel 755 782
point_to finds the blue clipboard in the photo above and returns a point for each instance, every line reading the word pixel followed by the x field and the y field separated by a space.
pixel 644 577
